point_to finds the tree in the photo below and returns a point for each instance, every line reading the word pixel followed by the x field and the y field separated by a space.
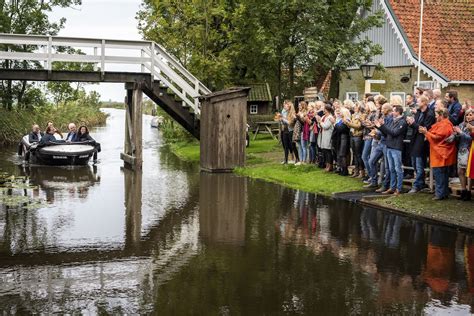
pixel 62 92
pixel 288 43
pixel 25 17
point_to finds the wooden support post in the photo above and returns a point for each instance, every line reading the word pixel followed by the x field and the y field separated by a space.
pixel 132 155
pixel 133 207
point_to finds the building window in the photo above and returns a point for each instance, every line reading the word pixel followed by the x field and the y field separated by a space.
pixel 374 93
pixel 253 108
pixel 401 94
pixel 425 84
pixel 353 96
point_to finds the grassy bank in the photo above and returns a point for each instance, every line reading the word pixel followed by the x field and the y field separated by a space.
pixel 263 156
pixel 14 124
pixel 450 211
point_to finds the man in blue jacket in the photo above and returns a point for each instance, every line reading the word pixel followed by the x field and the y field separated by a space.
pixel 72 135
pixel 395 132
pixel 454 107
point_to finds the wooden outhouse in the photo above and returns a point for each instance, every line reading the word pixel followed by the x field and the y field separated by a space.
pixel 223 129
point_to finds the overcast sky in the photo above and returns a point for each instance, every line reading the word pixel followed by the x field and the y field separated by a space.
pixel 109 19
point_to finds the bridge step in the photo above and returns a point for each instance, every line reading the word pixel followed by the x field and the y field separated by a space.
pixel 173 105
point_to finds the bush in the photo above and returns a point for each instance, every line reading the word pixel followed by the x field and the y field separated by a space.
pixel 16 123
pixel 253 119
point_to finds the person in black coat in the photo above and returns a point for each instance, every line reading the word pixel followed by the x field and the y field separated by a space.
pixel 83 136
pixel 48 137
pixel 419 147
pixel 341 140
pixel 395 132
pixel 35 135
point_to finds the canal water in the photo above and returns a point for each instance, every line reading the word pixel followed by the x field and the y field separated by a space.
pixel 172 240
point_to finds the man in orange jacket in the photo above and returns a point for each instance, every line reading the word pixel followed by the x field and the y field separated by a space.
pixel 442 151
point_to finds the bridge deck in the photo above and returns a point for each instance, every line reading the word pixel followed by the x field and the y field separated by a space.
pixel 74 76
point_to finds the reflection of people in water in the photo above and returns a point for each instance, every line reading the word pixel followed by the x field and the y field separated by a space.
pixel 440 260
pixel 469 263
pixel 74 182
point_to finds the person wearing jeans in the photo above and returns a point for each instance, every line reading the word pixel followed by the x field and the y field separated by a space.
pixel 442 151
pixel 395 132
pixel 375 154
pixel 418 145
pixel 441 176
pixel 394 157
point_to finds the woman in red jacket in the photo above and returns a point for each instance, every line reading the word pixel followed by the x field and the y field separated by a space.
pixel 442 151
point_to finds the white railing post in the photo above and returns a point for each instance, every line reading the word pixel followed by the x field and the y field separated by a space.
pixel 152 61
pixel 95 55
pixel 142 56
pixel 196 97
pixel 50 51
pixel 102 58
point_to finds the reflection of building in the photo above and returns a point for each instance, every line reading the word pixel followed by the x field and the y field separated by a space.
pixel 222 200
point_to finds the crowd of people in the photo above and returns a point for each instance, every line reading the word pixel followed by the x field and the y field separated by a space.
pixel 385 140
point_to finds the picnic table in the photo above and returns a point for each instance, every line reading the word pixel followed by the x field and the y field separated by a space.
pixel 267 127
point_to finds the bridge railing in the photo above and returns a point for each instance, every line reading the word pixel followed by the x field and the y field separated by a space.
pixel 102 53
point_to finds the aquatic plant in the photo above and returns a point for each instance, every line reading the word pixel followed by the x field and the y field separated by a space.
pixel 14 193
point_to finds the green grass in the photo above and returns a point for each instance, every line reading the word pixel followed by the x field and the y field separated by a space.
pixel 451 211
pixel 307 178
pixel 187 151
pixel 190 151
pixel 262 157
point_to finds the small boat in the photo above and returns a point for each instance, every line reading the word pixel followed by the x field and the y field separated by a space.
pixel 156 121
pixel 57 154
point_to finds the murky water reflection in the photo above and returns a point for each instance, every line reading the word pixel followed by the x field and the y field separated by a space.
pixel 172 240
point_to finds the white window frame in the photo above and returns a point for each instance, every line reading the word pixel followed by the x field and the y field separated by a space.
pixel 348 96
pixel 425 85
pixel 403 95
pixel 253 108
pixel 374 93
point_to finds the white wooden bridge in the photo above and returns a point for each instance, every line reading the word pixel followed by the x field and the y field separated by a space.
pixel 158 74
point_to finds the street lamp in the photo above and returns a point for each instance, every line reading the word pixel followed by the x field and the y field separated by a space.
pixel 368 70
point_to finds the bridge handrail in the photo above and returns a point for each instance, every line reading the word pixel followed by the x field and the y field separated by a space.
pixel 153 59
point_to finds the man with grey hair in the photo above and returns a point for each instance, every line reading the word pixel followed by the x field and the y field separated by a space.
pixel 72 135
pixel 437 94
pixel 35 135
pixel 431 100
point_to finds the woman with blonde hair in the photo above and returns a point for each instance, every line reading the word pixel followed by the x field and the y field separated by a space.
pixel 303 138
pixel 368 123
pixel 326 127
pixel 396 100
pixel 348 104
pixel 286 118
pixel 356 142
